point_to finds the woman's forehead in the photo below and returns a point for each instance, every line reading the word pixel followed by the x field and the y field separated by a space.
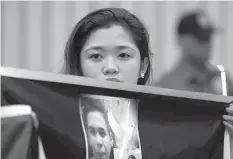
pixel 114 36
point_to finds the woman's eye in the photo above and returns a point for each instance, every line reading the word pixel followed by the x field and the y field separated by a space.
pixel 96 57
pixel 124 56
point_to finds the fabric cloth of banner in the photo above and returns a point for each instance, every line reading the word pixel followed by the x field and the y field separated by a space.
pixel 19 138
pixel 56 107
pixel 181 129
pixel 169 127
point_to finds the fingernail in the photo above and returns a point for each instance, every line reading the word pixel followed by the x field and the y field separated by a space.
pixel 224 116
pixel 224 123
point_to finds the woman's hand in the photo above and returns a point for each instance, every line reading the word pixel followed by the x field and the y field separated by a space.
pixel 228 119
pixel 228 122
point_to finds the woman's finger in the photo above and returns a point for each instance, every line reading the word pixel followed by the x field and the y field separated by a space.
pixel 230 109
pixel 228 118
pixel 228 126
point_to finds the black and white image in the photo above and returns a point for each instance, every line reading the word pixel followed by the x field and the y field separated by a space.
pixel 110 126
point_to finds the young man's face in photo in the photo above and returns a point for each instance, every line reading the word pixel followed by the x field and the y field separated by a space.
pixel 98 135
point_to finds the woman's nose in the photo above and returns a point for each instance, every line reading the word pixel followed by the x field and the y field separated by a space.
pixel 110 67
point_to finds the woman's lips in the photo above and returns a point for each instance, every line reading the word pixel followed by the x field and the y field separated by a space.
pixel 113 79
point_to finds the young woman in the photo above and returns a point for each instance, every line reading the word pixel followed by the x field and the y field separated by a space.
pixel 112 44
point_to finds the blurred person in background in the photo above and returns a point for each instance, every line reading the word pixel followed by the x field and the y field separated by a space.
pixel 194 72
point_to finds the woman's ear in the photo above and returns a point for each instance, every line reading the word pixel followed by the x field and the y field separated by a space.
pixel 144 66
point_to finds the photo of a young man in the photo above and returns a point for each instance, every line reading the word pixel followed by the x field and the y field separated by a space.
pixel 110 127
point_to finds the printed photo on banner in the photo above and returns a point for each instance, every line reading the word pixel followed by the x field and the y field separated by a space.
pixel 110 126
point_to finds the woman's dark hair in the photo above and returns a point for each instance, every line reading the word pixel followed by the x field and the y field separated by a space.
pixel 105 18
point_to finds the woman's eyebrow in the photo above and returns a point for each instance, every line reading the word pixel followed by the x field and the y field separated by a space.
pixel 125 47
pixel 102 48
pixel 97 48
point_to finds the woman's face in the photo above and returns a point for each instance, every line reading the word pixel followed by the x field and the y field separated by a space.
pixel 110 54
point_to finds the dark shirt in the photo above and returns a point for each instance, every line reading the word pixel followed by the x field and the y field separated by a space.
pixel 185 77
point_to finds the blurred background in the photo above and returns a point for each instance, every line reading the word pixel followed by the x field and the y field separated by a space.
pixel 34 34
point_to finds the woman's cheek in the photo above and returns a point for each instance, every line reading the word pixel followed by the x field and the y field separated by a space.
pixel 91 69
pixel 132 67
